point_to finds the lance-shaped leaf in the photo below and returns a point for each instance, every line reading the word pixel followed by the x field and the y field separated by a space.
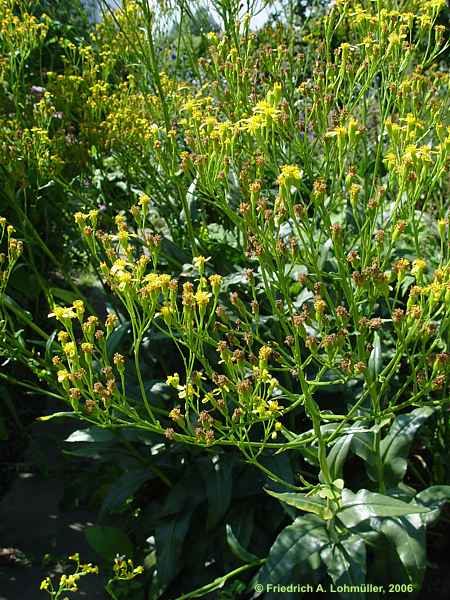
pixel 407 536
pixel 217 475
pixel 433 498
pixel 237 549
pixel 356 508
pixel 356 439
pixel 376 358
pixel 395 446
pixel 311 504
pixel 346 564
pixel 293 549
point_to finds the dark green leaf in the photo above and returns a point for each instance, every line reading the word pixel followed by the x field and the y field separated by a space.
pixel 109 541
pixel 395 446
pixel 238 550
pixel 407 535
pixel 170 535
pixel 346 564
pixel 364 505
pixel 116 338
pixel 375 358
pixel 218 481
pixel 3 429
pixel 433 498
pixel 65 295
pixel 294 547
pixel 337 456
pixel 91 435
pixel 124 487
pixel 311 504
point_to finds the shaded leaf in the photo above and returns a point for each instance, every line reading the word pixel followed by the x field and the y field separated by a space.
pixel 433 498
pixel 218 482
pixel 311 504
pixel 124 487
pixel 294 547
pixel 237 549
pixel 116 338
pixel 65 295
pixel 346 564
pixel 395 446
pixel 109 541
pixel 375 358
pixel 364 505
pixel 407 535
pixel 90 435
pixel 169 536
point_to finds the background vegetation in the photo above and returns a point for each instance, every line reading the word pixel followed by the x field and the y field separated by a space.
pixel 225 258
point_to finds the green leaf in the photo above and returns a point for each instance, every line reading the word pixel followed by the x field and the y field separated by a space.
pixel 218 482
pixel 338 454
pixel 346 564
pixel 375 359
pixel 237 549
pixel 169 535
pixel 109 541
pixel 433 498
pixel 407 535
pixel 116 338
pixel 65 295
pixel 12 304
pixel 48 345
pixel 358 507
pixel 293 548
pixel 124 487
pixel 192 202
pixel 395 446
pixel 311 504
pixel 59 415
pixel 362 445
pixel 173 253
pixel 90 435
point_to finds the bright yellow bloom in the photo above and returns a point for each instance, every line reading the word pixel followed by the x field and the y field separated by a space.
pixel 419 266
pixel 202 297
pixel 290 175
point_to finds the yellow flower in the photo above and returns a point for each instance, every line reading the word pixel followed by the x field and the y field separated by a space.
pixel 78 307
pixel 144 200
pixel 63 375
pixel 45 584
pixel 185 391
pixel 264 353
pixel 290 175
pixel 75 557
pixel 63 337
pixel 166 311
pixel 320 305
pixel 173 380
pixel 215 280
pixel 273 406
pixel 70 349
pixel 63 313
pixel 199 262
pixel 419 266
pixel 202 298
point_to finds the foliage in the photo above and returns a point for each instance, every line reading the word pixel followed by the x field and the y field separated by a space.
pixel 265 214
